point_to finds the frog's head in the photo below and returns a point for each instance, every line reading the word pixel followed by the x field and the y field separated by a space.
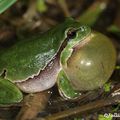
pixel 75 36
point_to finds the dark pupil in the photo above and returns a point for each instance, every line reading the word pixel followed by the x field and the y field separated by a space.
pixel 71 34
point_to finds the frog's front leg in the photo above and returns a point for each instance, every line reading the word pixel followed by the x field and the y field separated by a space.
pixel 65 88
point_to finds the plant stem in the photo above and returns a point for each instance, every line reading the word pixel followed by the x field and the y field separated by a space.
pixel 84 108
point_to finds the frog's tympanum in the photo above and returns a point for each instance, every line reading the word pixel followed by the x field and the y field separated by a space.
pixel 69 54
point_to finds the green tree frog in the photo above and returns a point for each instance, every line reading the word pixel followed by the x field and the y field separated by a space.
pixel 70 55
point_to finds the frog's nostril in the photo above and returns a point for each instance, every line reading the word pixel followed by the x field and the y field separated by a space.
pixel 83 28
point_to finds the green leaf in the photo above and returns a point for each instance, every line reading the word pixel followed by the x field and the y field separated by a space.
pixel 114 29
pixel 5 4
pixel 90 16
pixel 78 118
pixel 116 108
pixel 41 6
pixel 105 117
pixel 107 87
pixel 117 67
pixel 9 93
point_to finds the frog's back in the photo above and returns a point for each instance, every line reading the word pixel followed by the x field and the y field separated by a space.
pixel 27 58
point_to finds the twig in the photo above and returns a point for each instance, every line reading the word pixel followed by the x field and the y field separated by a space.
pixel 33 103
pixel 117 19
pixel 31 12
pixel 64 7
pixel 92 13
pixel 84 108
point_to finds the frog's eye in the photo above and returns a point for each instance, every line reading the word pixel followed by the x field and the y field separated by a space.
pixel 71 34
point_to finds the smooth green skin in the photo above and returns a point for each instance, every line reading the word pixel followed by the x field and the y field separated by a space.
pixel 9 93
pixel 27 58
pixel 5 4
